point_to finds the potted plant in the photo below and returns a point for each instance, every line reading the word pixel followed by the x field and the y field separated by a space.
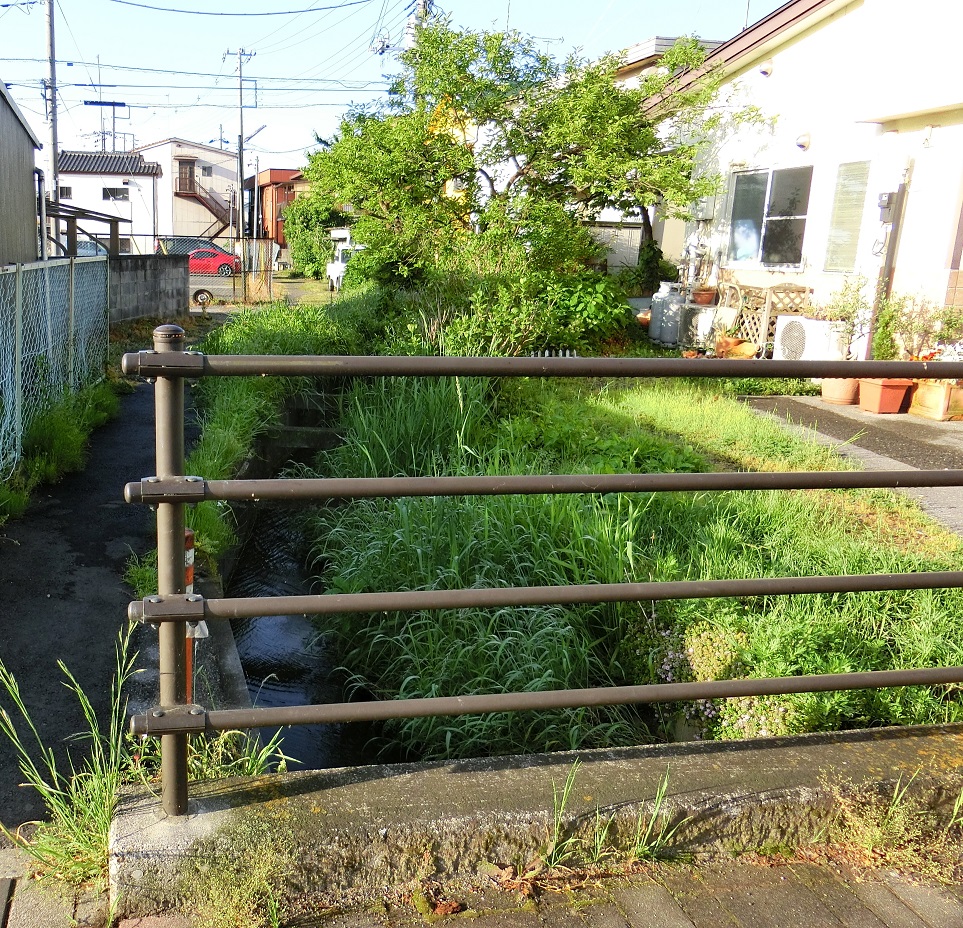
pixel 921 331
pixel 938 399
pixel 916 329
pixel 849 311
pixel 703 295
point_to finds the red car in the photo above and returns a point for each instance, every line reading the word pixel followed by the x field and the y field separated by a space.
pixel 208 261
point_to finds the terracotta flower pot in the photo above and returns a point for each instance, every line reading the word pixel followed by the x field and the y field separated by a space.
pixel 883 395
pixel 704 297
pixel 840 391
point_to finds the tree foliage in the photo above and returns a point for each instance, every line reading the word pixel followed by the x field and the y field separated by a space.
pixel 489 155
pixel 307 222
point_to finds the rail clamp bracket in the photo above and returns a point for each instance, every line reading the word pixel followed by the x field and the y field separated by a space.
pixel 174 607
pixel 171 720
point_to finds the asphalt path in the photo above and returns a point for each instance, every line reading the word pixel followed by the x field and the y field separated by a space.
pixel 881 442
pixel 62 595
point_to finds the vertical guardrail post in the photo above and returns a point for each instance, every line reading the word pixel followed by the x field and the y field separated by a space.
pixel 169 412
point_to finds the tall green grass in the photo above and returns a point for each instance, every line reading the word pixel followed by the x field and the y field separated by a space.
pixel 55 443
pixel 71 844
pixel 234 411
pixel 440 543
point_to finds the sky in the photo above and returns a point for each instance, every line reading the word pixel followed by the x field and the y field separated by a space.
pixel 174 64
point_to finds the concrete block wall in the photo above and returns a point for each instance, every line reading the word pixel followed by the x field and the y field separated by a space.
pixel 149 285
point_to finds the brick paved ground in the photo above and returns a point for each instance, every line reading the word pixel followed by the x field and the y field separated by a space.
pixel 733 894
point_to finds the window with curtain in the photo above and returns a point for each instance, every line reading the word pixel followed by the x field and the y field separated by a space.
pixel 768 219
pixel 849 200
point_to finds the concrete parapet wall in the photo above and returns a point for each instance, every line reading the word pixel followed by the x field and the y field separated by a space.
pixel 149 285
pixel 352 833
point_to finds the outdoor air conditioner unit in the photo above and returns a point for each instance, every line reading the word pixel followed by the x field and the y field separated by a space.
pixel 801 339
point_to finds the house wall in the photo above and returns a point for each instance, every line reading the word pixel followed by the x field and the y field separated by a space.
pixel 867 83
pixel 148 285
pixel 87 192
pixel 18 203
pixel 178 215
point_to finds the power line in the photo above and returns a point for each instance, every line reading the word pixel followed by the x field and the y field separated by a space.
pixel 354 50
pixel 289 24
pixel 220 89
pixel 302 38
pixel 313 9
pixel 123 67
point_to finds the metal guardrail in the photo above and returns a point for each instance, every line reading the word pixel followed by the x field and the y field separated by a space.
pixel 170 490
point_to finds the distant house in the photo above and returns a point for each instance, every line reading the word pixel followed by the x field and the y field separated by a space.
pixel 275 189
pixel 19 239
pixel 858 170
pixel 621 235
pixel 120 184
pixel 197 190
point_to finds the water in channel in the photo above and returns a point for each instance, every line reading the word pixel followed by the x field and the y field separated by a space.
pixel 286 661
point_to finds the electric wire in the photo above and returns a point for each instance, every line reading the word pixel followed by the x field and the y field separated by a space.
pixel 307 36
pixel 350 52
pixel 161 9
pixel 123 67
pixel 272 48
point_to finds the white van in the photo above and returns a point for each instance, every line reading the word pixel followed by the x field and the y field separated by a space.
pixel 344 248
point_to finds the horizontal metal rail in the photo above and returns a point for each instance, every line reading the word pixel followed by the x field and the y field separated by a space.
pixel 195 364
pixel 153 490
pixel 194 718
pixel 180 608
pixel 172 608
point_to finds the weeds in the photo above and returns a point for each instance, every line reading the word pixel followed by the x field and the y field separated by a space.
pixel 71 844
pixel 653 839
pixel 55 443
pixel 560 848
pixel 140 574
pixel 902 828
pixel 573 854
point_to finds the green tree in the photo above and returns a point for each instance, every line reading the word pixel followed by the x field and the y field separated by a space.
pixel 489 155
pixel 307 222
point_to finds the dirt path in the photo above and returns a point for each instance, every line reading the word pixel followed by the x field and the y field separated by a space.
pixel 62 594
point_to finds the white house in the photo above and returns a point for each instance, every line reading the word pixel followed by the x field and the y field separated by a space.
pixel 858 170
pixel 118 184
pixel 197 188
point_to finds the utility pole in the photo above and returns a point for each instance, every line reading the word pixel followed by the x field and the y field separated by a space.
pixel 242 56
pixel 52 90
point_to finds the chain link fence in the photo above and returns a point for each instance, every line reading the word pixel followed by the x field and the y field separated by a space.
pixel 53 338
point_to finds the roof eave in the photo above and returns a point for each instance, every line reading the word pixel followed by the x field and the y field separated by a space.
pixel 762 37
pixel 16 111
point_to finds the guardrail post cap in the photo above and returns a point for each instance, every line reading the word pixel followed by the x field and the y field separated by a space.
pixel 168 337
pixel 168 330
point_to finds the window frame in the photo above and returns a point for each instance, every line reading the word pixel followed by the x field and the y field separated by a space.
pixel 111 194
pixel 769 219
